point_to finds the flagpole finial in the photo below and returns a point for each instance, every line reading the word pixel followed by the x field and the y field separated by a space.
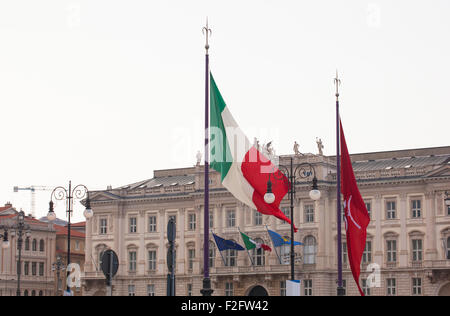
pixel 337 82
pixel 207 31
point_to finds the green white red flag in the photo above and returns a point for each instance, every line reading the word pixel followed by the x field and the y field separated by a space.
pixel 251 244
pixel 244 170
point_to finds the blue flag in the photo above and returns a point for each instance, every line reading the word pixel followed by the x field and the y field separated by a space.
pixel 278 240
pixel 224 244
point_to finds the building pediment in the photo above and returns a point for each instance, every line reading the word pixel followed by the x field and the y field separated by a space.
pixel 443 171
pixel 103 196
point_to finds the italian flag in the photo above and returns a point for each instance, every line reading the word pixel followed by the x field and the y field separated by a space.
pixel 244 170
pixel 250 243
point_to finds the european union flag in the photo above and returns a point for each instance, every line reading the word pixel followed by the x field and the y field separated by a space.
pixel 224 244
pixel 278 240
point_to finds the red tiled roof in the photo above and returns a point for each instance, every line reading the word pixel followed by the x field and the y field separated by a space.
pixel 61 230
pixel 80 224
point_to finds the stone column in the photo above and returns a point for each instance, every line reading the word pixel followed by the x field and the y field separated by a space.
pixel 162 250
pixel 181 250
pixel 430 236
pixel 378 239
pixel 199 237
pixel 403 242
pixel 320 210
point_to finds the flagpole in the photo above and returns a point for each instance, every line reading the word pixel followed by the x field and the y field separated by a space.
pixel 206 290
pixel 251 260
pixel 340 289
pixel 273 244
pixel 223 259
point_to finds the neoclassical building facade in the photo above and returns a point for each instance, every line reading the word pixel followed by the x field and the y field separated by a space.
pixel 408 238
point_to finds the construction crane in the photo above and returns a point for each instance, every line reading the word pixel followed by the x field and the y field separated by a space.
pixel 33 189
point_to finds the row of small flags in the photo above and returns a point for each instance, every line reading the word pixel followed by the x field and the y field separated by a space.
pixel 277 241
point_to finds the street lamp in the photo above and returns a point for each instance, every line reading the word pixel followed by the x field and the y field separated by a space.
pixel 60 193
pixel 303 170
pixel 18 229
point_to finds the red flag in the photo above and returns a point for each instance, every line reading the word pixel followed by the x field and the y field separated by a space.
pixel 356 215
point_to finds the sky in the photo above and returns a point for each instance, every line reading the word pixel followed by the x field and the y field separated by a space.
pixel 104 92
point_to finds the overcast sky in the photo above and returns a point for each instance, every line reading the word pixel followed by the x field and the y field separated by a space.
pixel 104 92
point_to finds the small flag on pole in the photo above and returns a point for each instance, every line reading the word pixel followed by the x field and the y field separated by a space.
pixel 224 244
pixel 278 240
pixel 251 244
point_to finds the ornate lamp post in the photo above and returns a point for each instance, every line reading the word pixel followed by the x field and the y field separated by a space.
pixel 303 170
pixel 20 228
pixel 60 193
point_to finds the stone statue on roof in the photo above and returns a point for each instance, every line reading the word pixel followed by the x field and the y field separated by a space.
pixel 296 151
pixel 199 157
pixel 319 146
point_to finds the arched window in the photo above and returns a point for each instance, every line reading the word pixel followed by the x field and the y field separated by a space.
pixel 34 245
pixel 258 254
pixel 309 250
pixel 27 244
pixel 41 293
pixel 230 257
pixel 25 293
pixel 41 245
pixel 33 293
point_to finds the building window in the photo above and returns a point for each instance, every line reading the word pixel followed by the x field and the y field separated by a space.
pixel 309 250
pixel 257 218
pixel 416 286
pixel 390 210
pixel 391 287
pixel 33 293
pixel 131 290
pixel 231 218
pixel 25 293
pixel 367 254
pixel 286 211
pixel 27 244
pixel 133 225
pixel 41 269
pixel 258 254
pixel 211 219
pixel 41 245
pixel 344 253
pixel 41 293
pixel 416 208
pixel 192 221
pixel 344 286
pixel 34 245
pixel 309 213
pixel 230 257
pixel 228 289
pixel 416 250
pixel 191 254
pixel 369 208
pixel 212 253
pixel 448 210
pixel 189 289
pixel 391 250
pixel 152 224
pixel 132 260
pixel 150 289
pixel 103 226
pixel 152 260
pixel 33 268
pixel 26 268
pixel 307 287
pixel 282 288
pixel 365 287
